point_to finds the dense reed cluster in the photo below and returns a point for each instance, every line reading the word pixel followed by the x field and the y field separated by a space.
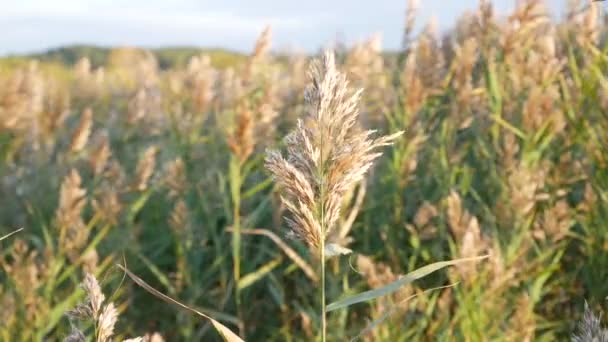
pixel 195 176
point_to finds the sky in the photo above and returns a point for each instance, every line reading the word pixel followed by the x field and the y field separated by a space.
pixel 33 26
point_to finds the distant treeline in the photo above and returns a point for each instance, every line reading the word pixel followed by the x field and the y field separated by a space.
pixel 166 57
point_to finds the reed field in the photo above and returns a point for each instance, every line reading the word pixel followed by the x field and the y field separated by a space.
pixel 455 190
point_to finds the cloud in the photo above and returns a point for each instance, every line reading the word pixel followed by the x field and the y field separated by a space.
pixel 234 24
pixel 156 17
pixel 39 27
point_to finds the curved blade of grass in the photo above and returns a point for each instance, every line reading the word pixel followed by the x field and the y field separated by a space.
pixel 505 124
pixel 226 333
pixel 67 272
pixel 292 254
pixel 394 286
pixel 249 279
pixel 137 205
pixel 394 308
pixel 11 233
pixel 257 188
pixel 163 279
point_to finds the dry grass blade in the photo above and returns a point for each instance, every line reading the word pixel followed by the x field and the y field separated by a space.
pixel 11 233
pixel 293 255
pixel 226 333
pixel 348 224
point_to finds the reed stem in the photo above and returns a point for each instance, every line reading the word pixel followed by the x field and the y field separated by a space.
pixel 236 237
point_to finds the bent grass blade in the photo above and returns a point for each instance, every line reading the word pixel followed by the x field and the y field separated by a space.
pixel 394 286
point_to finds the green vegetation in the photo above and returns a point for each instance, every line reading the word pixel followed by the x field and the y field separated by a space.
pixel 160 161
pixel 174 57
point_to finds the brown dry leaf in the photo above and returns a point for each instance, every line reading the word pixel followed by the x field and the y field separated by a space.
pixel 293 255
pixel 226 333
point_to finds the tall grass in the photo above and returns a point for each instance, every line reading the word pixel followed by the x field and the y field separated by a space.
pixel 168 173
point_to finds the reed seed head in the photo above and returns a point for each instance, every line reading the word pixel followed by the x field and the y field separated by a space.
pixel 145 168
pixel 327 154
pixel 94 294
pixel 107 320
pixel 82 133
pixel 590 328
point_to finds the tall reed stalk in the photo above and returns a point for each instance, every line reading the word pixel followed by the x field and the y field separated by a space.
pixel 235 181
pixel 235 185
pixel 241 144
pixel 327 154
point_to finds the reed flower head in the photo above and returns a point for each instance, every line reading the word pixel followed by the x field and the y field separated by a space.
pixel 175 177
pixel 145 168
pixel 327 154
pixel 590 329
pixel 99 158
pixel 241 142
pixel 103 316
pixel 94 294
pixel 73 233
pixel 107 320
pixel 82 133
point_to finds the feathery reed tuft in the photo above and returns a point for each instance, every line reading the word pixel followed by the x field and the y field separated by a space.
pixel 145 168
pixel 590 329
pixel 104 317
pixel 68 217
pixel 326 154
pixel 99 158
pixel 82 133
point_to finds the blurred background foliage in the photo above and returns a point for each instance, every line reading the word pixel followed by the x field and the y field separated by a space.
pixel 151 158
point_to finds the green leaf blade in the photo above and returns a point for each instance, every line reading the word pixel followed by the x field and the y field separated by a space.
pixel 394 286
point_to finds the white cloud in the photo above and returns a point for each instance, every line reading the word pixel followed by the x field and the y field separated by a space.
pixel 39 27
pixel 34 25
pixel 152 16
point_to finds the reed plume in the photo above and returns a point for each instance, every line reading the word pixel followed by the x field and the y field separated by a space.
pixel 137 107
pixel 410 20
pixel 590 328
pixel 22 304
pixel 466 233
pixel 145 168
pixel 464 61
pixel 327 154
pixel 107 203
pixel 175 178
pixel 259 56
pixel 180 224
pixel 99 158
pixel 82 133
pixel 101 313
pixel 73 234
pixel 242 141
pixel 365 68
pixel 201 78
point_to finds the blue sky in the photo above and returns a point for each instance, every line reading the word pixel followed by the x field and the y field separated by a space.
pixel 30 26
